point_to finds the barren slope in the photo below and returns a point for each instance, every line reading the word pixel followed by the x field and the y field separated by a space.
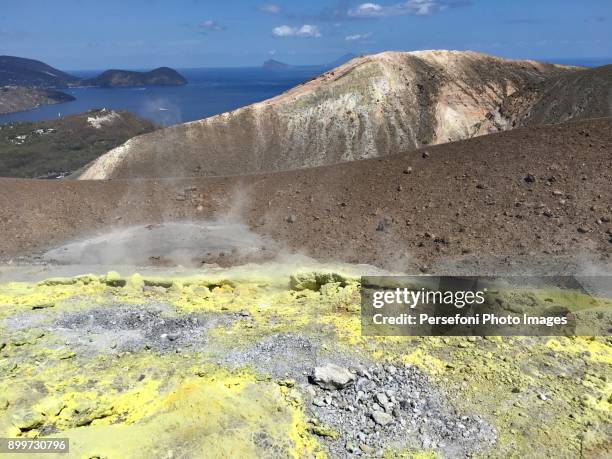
pixel 369 107
pixel 579 95
pixel 21 98
pixel 466 199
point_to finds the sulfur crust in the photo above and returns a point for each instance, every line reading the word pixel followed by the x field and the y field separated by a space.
pixel 186 403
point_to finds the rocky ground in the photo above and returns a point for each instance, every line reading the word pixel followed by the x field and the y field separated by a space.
pixel 574 96
pixel 529 199
pixel 250 362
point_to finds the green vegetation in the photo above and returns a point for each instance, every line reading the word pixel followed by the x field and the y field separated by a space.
pixel 49 149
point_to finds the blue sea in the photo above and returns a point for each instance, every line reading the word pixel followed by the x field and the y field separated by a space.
pixel 209 92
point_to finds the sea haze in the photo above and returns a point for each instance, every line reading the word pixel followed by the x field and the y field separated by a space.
pixel 209 92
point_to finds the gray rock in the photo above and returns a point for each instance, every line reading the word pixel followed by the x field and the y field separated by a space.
pixel 332 377
pixel 382 419
pixel 351 447
pixel 530 178
pixel 382 399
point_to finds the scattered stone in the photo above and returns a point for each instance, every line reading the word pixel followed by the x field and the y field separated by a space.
pixel 323 431
pixel 26 419
pixel 65 354
pixel 287 382
pixel 291 219
pixel 583 230
pixel 44 305
pixel 529 178
pixel 408 170
pixel 425 154
pixel 382 399
pixel 332 377
pixel 381 418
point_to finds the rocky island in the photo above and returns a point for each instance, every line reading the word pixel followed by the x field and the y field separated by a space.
pixel 163 76
pixel 26 84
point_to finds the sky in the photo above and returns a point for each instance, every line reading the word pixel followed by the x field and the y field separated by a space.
pixel 141 34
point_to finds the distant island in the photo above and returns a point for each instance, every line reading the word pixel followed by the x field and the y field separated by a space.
pixel 162 76
pixel 19 71
pixel 26 84
pixel 273 64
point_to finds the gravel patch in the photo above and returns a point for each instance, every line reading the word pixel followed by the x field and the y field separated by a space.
pixel 393 407
pixel 127 328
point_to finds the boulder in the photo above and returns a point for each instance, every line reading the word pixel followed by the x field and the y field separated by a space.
pixel 332 377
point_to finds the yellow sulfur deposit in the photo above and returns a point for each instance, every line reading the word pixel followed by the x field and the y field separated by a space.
pixel 151 366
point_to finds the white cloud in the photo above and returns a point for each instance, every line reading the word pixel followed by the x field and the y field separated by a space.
pixel 211 25
pixel 367 10
pixel 358 37
pixel 284 31
pixel 309 31
pixel 305 31
pixel 414 7
pixel 270 8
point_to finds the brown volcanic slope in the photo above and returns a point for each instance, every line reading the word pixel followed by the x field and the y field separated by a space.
pixel 366 108
pixel 465 199
pixel 579 95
